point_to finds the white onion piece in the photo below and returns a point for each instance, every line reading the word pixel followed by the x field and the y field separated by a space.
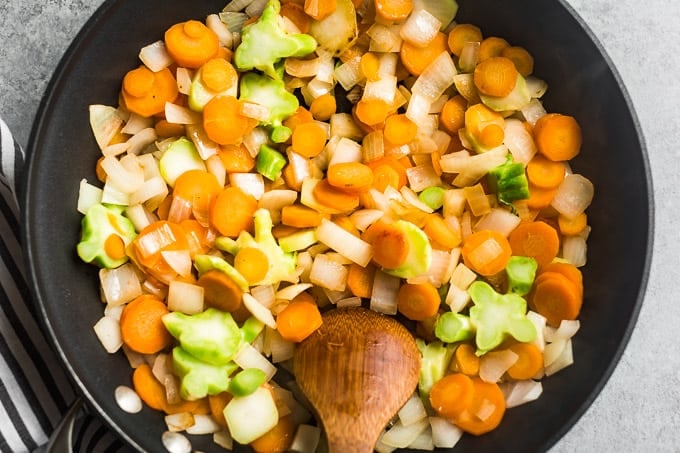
pixel 563 360
pixel 373 146
pixel 249 357
pixel 436 78
pixel 519 141
pixel 225 37
pixel 328 273
pixel 533 111
pixel 421 177
pixel 255 8
pixel 539 322
pixel 254 139
pixel 418 109
pixel 401 436
pixel 184 77
pixel 180 209
pixel 136 123
pixel 107 330
pixel 121 175
pixel 179 421
pixel 344 242
pixel 203 424
pixel 444 433
pixel 347 74
pixel 114 311
pixel 185 297
pixel 138 142
pixel 493 365
pixel 536 86
pixel 306 439
pixel 382 89
pixel 384 293
pixel 412 411
pixel 258 310
pixel 151 193
pixel 224 440
pixel 500 220
pixel 575 250
pixel 116 149
pixel 364 218
pixel 384 38
pixel 176 442
pixel 469 56
pixel 420 28
pixel 249 183
pixel 521 392
pixel 127 399
pixel 177 114
pixel 565 331
pixel 155 56
pixel 343 125
pixel 275 200
pixel 424 441
pixel 552 351
pixel 573 196
pixel 281 350
pixel 264 294
pixel 105 122
pixel 349 302
pixel 88 196
pixel 291 291
pixel 119 285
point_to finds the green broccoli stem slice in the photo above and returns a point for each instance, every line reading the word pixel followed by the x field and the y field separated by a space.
pixel 453 327
pixel 270 163
pixel 521 271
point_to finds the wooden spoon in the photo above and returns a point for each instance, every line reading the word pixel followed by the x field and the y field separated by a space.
pixel 357 371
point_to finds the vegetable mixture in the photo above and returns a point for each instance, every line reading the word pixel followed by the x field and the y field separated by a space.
pixel 280 159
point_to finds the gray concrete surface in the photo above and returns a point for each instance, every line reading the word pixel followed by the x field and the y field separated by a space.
pixel 639 409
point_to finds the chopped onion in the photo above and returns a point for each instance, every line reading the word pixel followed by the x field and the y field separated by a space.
pixel 236 6
pixel 344 150
pixel 519 141
pixel 444 433
pixel 256 138
pixel 493 365
pixel 291 291
pixel 88 195
pixel 383 89
pixel 411 198
pixel 347 74
pixel 127 399
pixel 539 323
pixel 436 78
pixel 151 193
pixel 105 122
pixel 249 357
pixel 328 273
pixel 107 330
pixel 203 424
pixel 454 202
pixel 344 242
pixel 306 439
pixel 122 175
pixel 112 195
pixel 565 331
pixel 258 310
pixel 136 123
pixel 498 219
pixel 423 441
pixel 463 276
pixel 224 440
pixel 575 250
pixel 185 297
pixel 468 56
pixel 533 111
pixel 384 38
pixel 281 350
pixel 177 114
pixel 155 56
pixel 176 442
pixel 420 28
pixel 401 436
pixel 384 293
pixel 412 411
pixel 119 285
pixel 250 183
pixel 563 360
pixel 343 125
pixel 373 147
pixel 255 8
pixel 521 392
pixel 334 296
pixel 179 421
pixel 184 78
pixel 204 145
pixel 180 209
pixel 421 177
pixel 364 218
pixel 536 86
pixel 114 311
pixel 465 86
pixel 255 111
pixel 276 199
pixel 573 196
pixel 349 302
pixel 552 351
pixel 225 37
pixel 116 149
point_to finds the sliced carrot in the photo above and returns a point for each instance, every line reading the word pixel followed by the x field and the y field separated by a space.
pixel 390 245
pixel 439 232
pixel 466 359
pixel 492 47
pixel 346 224
pixel 372 111
pixel 114 246
pixel 281 231
pixel 492 135
pixel 217 74
pixel 540 198
pixel 166 129
pixel 416 59
pixel 452 116
pixel 399 129
pixel 461 34
pixel 199 238
pixel 149 389
pixel 335 198
pixel 236 158
pixel 388 171
pixel 369 66
pixel 393 10
pixel 522 59
pixel 486 252
pixel 217 404
pixel 296 14
pixel 301 116
pixel 568 270
pixel 298 320
pixel 320 9
pixel 223 121
pixel 164 208
pixel 495 76
pixel 323 107
pixel 309 139
pixel 557 298
pixel 485 411
pixel 557 136
pixel 220 291
pixel 418 301
pixel 278 439
pixel 299 216
pixel 360 279
pixel 536 240
pixel 233 212
pixel 451 395
pixel 529 361
pixel 194 184
pixel 145 92
pixel 252 263
pixel 141 325
pixel 191 43
pixel 353 177
pixel 545 173
pixel 571 226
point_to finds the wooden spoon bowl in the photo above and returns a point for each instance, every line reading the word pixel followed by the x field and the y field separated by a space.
pixel 357 370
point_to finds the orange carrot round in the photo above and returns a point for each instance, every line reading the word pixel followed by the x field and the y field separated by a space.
pixel 278 439
pixel 522 59
pixel 220 291
pixel 299 216
pixel 461 34
pixel 223 121
pixel 545 173
pixel 149 389
pixel 388 171
pixel 416 59
pixel 145 92
pixel 372 111
pixel 194 184
pixel 485 411
pixel 141 325
pixel 334 198
pixel 486 252
pixel 236 159
pixel 360 279
pixel 218 74
pixel 557 298
pixel 529 361
pixel 492 47
pixel 191 43
pixel 393 10
pixel 571 226
pixel 309 139
pixel 495 76
pixel 536 240
pixel 390 245
pixel 298 320
pixel 451 395
pixel 352 177
pixel 369 66
pixel 466 359
pixel 540 198
pixel 233 211
pixel 418 301
pixel 252 263
pixel 452 116
pixel 323 107
pixel 557 136
pixel 114 247
pixel 399 129
pixel 439 232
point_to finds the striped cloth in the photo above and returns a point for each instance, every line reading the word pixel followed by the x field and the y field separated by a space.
pixel 34 389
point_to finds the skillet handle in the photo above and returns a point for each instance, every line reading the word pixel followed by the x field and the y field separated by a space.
pixel 61 440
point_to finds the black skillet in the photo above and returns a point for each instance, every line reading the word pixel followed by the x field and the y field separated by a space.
pixel 582 83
